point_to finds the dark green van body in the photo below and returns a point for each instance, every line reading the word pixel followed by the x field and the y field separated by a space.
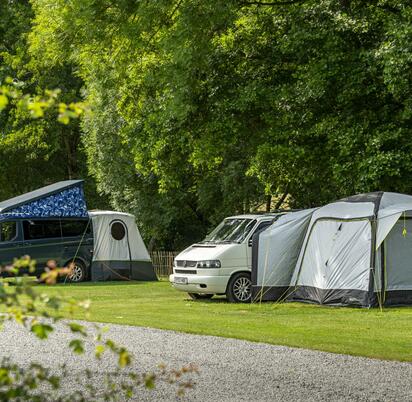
pixel 43 239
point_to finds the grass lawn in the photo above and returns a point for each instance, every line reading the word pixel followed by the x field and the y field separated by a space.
pixel 371 333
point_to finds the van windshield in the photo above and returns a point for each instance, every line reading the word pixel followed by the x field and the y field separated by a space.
pixel 233 230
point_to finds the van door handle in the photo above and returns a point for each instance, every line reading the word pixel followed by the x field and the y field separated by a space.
pixel 26 244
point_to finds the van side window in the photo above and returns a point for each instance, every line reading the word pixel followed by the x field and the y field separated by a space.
pixel 46 229
pixel 8 231
pixel 75 228
pixel 263 226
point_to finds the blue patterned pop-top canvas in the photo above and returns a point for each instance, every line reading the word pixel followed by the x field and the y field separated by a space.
pixel 66 203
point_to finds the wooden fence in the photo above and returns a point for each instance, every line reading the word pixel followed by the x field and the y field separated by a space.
pixel 163 262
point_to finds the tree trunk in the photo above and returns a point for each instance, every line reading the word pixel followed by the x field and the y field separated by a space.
pixel 281 199
pixel 71 141
pixel 268 202
pixel 151 244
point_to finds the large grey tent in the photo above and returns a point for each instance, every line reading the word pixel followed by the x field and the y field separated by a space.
pixel 356 251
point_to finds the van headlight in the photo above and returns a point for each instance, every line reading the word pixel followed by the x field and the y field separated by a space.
pixel 209 264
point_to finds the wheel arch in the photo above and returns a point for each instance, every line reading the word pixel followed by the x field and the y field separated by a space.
pixel 241 271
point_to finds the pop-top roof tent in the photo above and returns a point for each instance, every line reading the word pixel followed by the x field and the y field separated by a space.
pixel 356 251
pixel 119 250
pixel 58 200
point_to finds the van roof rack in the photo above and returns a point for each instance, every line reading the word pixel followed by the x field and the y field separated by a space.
pixel 274 211
pixel 285 210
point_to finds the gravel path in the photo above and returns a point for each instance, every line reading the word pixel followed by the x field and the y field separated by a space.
pixel 230 370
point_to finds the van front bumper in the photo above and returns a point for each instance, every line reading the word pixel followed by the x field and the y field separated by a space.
pixel 200 284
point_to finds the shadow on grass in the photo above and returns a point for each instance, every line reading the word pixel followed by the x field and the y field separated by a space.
pixel 34 281
pixel 214 300
pixel 103 283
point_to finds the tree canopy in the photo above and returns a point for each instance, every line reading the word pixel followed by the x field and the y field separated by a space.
pixel 199 110
pixel 36 152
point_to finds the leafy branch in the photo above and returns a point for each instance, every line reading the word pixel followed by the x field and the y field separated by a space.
pixel 37 105
pixel 271 3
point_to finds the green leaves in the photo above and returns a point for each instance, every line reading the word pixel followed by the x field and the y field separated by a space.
pixel 77 328
pixel 71 111
pixel 41 330
pixel 99 350
pixel 4 101
pixel 77 346
pixel 149 381
pixel 124 357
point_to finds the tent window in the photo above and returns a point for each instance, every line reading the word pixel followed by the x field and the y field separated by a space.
pixel 118 230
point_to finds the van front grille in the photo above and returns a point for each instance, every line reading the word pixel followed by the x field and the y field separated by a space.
pixel 186 271
pixel 184 263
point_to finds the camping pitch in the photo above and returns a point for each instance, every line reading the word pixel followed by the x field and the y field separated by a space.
pixel 356 251
pixel 52 223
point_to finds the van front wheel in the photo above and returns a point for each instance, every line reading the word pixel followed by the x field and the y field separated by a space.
pixel 239 289
pixel 77 272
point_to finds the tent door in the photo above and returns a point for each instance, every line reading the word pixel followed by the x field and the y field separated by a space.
pixel 398 256
pixel 337 258
pixel 121 253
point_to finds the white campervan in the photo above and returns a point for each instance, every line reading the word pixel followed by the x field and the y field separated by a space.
pixel 221 264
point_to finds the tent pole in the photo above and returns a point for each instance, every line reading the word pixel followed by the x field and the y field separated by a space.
pixel 372 300
pixel 383 272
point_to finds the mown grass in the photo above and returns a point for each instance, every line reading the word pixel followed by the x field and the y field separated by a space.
pixel 362 332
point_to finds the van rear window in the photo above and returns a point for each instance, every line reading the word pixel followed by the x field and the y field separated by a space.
pixel 72 228
pixel 46 229
pixel 8 231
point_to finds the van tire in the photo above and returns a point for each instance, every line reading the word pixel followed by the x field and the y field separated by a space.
pixel 239 288
pixel 199 296
pixel 79 273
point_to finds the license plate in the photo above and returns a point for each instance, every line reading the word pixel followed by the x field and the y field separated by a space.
pixel 182 281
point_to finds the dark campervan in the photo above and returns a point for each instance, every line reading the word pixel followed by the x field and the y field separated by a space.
pixel 51 223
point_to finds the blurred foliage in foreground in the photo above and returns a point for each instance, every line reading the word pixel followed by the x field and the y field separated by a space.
pixel 24 304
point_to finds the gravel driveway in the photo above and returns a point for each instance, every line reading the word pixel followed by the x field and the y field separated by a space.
pixel 230 370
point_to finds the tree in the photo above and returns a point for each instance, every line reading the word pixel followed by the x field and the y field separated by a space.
pixel 33 152
pixel 211 107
